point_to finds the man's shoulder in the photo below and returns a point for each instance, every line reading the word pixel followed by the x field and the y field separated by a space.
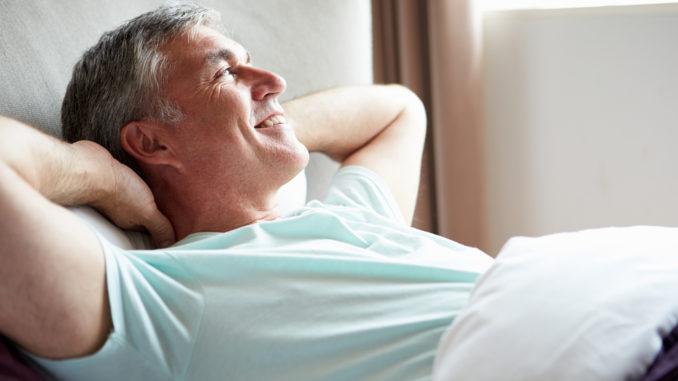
pixel 360 187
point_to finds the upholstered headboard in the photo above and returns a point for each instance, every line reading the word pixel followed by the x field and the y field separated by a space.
pixel 312 44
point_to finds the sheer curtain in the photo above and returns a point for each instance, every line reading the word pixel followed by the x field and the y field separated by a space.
pixel 434 48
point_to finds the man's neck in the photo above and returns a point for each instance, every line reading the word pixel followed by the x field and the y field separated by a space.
pixel 214 211
pixel 217 219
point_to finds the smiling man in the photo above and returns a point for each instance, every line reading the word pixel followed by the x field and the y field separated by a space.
pixel 342 289
pixel 232 137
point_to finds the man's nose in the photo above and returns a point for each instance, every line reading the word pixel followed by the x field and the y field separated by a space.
pixel 265 83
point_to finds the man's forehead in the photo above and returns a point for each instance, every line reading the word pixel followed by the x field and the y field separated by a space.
pixel 218 47
pixel 227 54
pixel 208 46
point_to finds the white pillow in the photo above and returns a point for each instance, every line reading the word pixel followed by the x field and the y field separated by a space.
pixel 291 197
pixel 591 305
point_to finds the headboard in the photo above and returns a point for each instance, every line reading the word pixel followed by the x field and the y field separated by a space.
pixel 312 44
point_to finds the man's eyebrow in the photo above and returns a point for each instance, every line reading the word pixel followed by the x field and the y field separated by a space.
pixel 225 55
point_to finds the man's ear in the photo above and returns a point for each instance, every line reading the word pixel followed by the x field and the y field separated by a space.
pixel 149 143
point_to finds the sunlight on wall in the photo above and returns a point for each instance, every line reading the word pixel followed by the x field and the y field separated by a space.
pixel 489 5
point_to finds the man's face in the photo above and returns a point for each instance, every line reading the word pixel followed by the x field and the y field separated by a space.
pixel 235 129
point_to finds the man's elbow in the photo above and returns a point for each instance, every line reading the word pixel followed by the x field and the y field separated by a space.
pixel 413 113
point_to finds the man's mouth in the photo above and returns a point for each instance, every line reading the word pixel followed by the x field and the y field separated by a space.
pixel 272 121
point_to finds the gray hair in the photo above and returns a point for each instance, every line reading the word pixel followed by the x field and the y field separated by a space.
pixel 121 79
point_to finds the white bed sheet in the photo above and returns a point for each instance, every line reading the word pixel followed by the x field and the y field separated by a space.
pixel 590 305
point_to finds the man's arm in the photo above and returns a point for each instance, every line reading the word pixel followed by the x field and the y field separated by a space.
pixel 378 127
pixel 52 279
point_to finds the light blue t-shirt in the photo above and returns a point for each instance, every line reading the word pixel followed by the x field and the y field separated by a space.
pixel 341 290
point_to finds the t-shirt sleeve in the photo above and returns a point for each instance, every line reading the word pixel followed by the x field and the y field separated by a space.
pixel 359 187
pixel 155 319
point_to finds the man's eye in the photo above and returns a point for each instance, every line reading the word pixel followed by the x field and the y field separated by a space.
pixel 226 73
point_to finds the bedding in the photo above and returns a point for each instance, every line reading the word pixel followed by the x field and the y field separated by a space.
pixel 12 366
pixel 590 305
pixel 665 365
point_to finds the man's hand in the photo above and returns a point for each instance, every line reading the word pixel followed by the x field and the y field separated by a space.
pixel 127 199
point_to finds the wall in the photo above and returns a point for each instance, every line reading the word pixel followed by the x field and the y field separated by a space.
pixel 581 113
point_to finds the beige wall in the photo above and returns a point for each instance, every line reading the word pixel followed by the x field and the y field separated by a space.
pixel 581 119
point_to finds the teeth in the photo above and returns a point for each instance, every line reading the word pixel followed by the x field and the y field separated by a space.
pixel 273 121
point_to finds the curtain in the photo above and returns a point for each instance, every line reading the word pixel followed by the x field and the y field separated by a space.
pixel 434 48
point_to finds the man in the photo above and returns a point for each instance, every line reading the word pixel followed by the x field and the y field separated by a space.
pixel 343 289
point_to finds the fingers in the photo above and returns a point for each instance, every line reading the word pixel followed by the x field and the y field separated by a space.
pixel 121 195
pixel 161 230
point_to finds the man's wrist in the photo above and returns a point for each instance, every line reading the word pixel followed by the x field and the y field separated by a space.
pixel 90 179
